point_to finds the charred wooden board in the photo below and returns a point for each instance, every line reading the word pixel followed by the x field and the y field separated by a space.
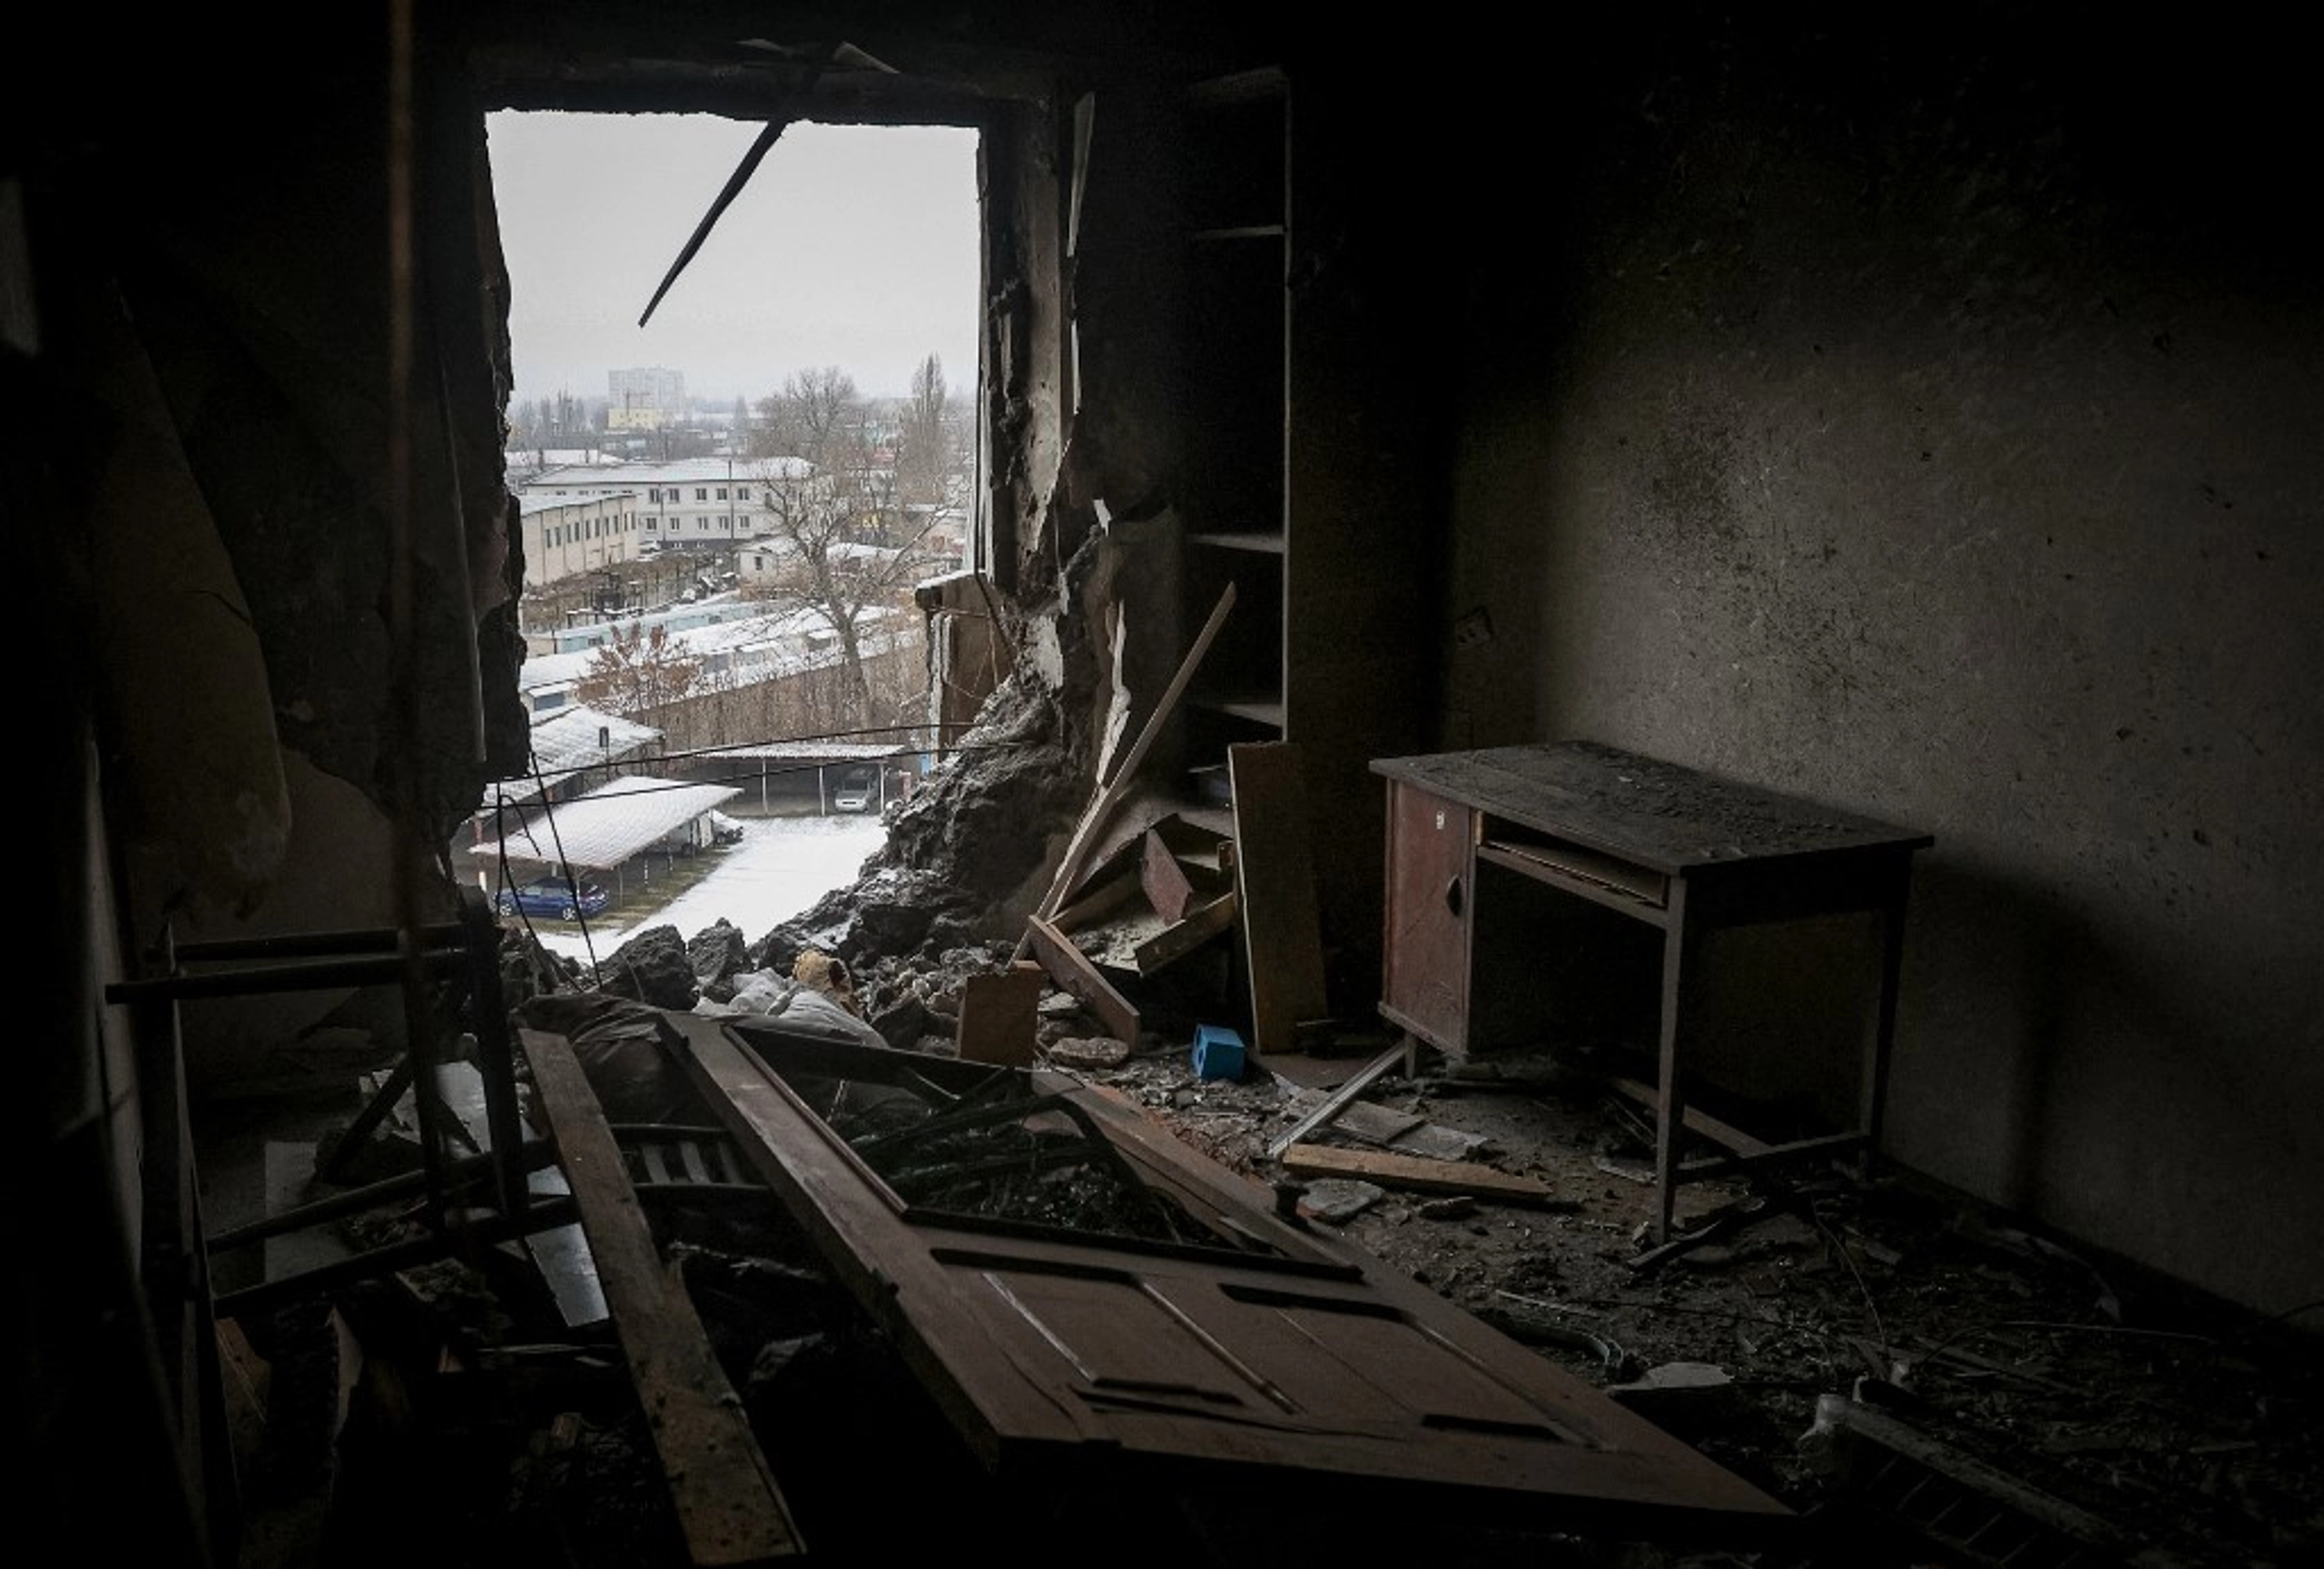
pixel 728 1502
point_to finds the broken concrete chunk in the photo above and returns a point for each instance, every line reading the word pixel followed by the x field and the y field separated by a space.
pixel 1371 1123
pixel 1441 1143
pixel 718 953
pixel 653 967
pixel 1687 1399
pixel 1338 1201
pixel 905 1023
pixel 1089 1053
pixel 1676 1376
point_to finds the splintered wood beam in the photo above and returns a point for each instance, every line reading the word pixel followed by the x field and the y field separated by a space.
pixel 1071 969
pixel 1417 1173
pixel 728 1504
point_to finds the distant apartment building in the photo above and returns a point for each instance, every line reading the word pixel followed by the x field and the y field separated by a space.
pixel 581 533
pixel 646 398
pixel 693 504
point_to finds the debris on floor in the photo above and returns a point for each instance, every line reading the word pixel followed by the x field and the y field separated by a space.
pixel 1918 1379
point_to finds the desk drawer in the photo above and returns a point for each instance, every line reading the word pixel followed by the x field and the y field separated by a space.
pixel 1605 877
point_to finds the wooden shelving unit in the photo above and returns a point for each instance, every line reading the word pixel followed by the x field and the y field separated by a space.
pixel 1237 507
pixel 1304 394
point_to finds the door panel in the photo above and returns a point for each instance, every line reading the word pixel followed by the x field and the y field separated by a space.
pixel 1237 1340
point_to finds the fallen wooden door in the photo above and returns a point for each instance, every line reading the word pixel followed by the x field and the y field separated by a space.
pixel 1198 1330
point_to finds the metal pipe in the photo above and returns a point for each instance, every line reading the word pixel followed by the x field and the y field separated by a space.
pixel 314 944
pixel 460 1173
pixel 333 972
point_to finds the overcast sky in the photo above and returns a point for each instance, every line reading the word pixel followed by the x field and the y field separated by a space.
pixel 852 245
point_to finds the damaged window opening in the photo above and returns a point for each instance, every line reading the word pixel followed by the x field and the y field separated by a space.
pixel 726 700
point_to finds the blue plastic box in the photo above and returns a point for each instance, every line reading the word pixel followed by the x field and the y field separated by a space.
pixel 1218 1053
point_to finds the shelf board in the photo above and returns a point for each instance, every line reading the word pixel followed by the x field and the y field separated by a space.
pixel 1236 231
pixel 1258 707
pixel 1266 542
pixel 1241 86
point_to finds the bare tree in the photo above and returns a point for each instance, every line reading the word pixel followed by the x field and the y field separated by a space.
pixel 816 413
pixel 844 551
pixel 639 669
pixel 924 444
pixel 845 547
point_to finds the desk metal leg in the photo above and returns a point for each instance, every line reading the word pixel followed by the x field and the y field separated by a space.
pixel 1880 1033
pixel 1681 999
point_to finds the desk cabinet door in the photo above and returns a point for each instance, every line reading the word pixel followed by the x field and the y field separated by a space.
pixel 1426 944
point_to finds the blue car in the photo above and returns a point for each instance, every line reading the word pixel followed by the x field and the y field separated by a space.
pixel 554 896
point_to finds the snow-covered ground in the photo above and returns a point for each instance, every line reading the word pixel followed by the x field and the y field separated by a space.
pixel 783 866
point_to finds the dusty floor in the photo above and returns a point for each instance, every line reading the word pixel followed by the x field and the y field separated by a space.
pixel 2193 1430
pixel 477 1430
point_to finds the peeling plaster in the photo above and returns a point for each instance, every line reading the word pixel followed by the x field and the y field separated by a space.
pixel 1043 654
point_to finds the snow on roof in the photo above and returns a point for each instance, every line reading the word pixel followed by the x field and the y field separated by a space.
pixel 776 644
pixel 542 670
pixel 530 502
pixel 818 751
pixel 708 471
pixel 530 458
pixel 567 739
pixel 606 827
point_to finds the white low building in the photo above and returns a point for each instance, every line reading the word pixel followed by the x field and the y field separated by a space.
pixel 693 503
pixel 565 535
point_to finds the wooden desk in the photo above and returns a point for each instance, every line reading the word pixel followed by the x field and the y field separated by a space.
pixel 1676 849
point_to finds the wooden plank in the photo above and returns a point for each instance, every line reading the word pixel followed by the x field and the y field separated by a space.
pixel 1102 900
pixel 1175 942
pixel 1415 1172
pixel 1167 887
pixel 1274 876
pixel 1071 969
pixel 1126 774
pixel 728 1502
pixel 1337 1101
pixel 1000 1012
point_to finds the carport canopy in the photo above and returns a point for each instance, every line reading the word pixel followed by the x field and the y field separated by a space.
pixel 605 828
pixel 572 739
